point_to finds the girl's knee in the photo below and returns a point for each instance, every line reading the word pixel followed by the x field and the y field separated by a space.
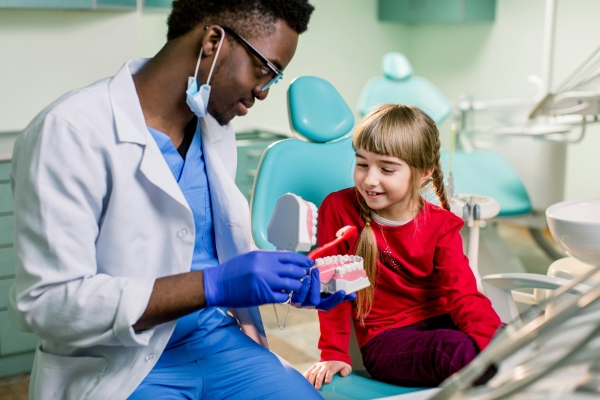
pixel 455 353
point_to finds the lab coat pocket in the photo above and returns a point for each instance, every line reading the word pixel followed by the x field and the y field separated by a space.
pixel 62 377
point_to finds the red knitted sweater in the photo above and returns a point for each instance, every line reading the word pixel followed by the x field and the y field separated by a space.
pixel 422 272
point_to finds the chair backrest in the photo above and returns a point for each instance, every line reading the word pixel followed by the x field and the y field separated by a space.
pixel 310 169
pixel 399 85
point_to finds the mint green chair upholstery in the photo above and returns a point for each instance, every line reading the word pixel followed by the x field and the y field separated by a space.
pixel 489 174
pixel 359 385
pixel 480 172
pixel 312 169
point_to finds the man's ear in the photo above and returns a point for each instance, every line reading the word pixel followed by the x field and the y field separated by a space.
pixel 213 38
pixel 426 176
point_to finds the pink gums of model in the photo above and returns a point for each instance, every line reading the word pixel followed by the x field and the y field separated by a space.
pixel 339 272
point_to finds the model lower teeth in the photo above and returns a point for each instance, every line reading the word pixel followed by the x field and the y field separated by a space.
pixel 342 273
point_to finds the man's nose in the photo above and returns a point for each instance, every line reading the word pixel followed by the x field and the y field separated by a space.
pixel 259 93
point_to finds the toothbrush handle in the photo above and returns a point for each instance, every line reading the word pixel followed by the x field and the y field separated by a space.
pixel 319 251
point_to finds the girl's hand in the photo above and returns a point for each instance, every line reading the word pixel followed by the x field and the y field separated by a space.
pixel 325 370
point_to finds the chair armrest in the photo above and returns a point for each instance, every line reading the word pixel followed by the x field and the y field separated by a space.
pixel 498 288
pixel 516 280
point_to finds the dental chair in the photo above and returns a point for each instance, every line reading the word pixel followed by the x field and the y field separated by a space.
pixel 319 163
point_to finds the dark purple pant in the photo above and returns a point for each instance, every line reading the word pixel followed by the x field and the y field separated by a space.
pixel 419 355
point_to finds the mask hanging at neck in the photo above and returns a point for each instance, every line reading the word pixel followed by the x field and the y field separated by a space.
pixel 197 97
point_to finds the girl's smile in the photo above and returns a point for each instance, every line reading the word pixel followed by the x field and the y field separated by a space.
pixel 373 194
pixel 385 184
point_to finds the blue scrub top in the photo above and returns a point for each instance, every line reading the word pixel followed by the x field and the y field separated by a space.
pixel 196 335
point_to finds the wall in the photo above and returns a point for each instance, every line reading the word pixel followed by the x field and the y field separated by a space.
pixel 490 61
pixel 45 53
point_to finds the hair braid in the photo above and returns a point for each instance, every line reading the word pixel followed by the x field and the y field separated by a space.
pixel 438 175
pixel 438 184
pixel 367 249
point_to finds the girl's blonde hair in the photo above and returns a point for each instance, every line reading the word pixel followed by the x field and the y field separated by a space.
pixel 407 133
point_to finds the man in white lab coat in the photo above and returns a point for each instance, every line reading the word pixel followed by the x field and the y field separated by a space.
pixel 132 240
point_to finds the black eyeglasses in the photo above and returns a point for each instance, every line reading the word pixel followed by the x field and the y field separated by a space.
pixel 277 74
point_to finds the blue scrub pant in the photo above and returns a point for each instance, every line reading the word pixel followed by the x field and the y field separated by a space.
pixel 245 371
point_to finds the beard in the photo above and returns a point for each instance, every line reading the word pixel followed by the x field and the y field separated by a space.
pixel 221 114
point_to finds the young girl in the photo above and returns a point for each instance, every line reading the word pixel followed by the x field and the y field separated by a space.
pixel 422 318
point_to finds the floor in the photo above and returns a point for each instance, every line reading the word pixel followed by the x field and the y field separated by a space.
pixel 297 343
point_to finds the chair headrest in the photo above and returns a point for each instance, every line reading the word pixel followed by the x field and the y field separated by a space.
pixel 396 66
pixel 317 111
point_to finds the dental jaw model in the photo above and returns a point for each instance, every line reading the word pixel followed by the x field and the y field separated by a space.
pixel 345 273
pixel 293 227
pixel 342 273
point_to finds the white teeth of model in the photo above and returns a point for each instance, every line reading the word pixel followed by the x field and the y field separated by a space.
pixel 319 261
pixel 346 258
pixel 343 270
pixel 338 270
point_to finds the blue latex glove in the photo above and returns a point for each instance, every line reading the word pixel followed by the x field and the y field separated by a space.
pixel 255 278
pixel 309 295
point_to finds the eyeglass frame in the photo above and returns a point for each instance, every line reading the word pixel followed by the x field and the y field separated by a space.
pixel 276 72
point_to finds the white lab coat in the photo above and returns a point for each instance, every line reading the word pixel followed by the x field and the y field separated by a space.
pixel 98 217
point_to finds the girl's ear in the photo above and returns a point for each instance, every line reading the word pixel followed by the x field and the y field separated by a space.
pixel 425 176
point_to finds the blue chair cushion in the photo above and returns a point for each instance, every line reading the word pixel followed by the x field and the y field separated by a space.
pixel 309 170
pixel 359 385
pixel 317 111
pixel 489 174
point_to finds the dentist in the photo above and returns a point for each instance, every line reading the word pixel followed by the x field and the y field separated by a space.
pixel 132 241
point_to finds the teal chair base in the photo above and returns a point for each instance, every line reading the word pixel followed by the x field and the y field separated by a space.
pixel 359 385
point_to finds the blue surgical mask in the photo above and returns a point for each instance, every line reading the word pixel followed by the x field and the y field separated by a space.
pixel 197 98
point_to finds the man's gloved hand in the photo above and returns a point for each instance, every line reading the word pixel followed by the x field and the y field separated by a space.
pixel 309 295
pixel 255 278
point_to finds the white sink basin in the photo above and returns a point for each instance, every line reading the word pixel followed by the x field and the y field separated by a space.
pixel 575 225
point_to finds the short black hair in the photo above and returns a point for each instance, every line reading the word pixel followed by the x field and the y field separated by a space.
pixel 249 18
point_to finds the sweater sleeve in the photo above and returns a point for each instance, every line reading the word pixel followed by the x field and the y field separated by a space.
pixel 335 323
pixel 335 333
pixel 470 310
